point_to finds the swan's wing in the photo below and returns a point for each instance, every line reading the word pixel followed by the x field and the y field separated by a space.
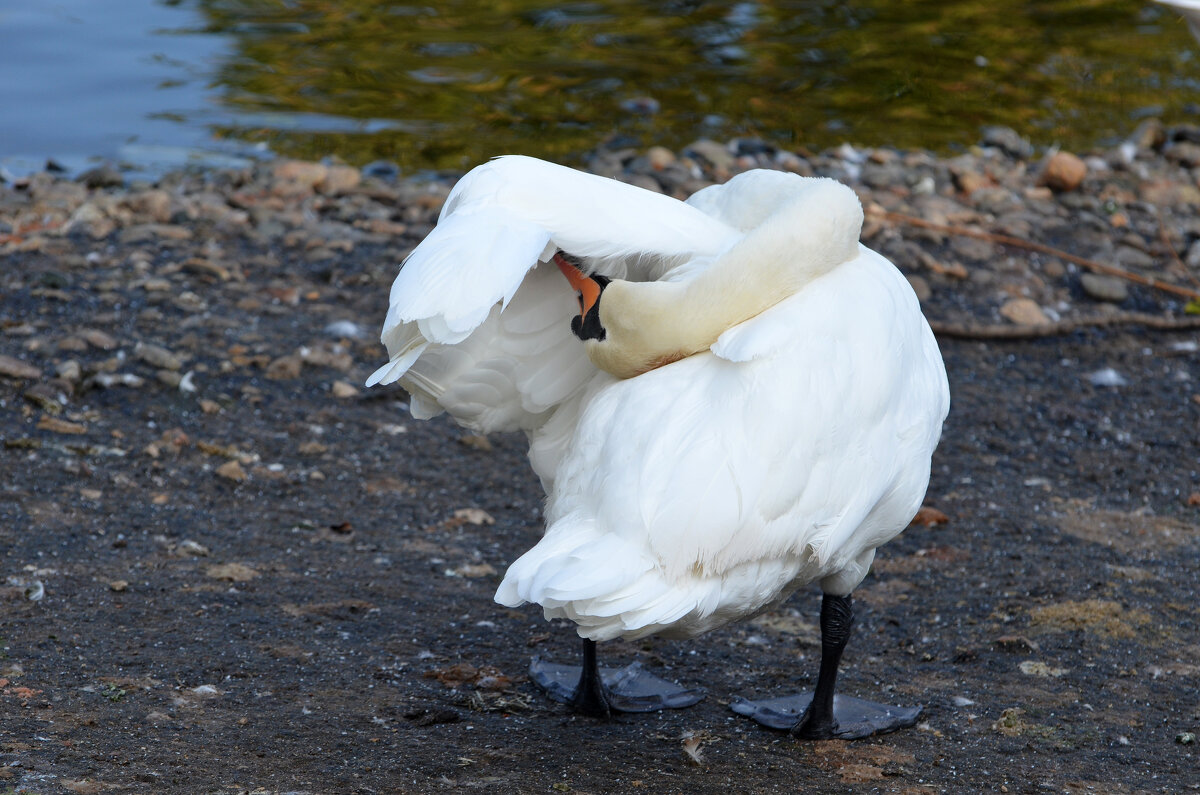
pixel 738 479
pixel 516 359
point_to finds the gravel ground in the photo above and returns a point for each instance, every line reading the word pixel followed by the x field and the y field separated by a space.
pixel 225 567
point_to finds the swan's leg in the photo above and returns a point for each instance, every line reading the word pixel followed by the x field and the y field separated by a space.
pixel 591 696
pixel 823 715
pixel 837 621
pixel 596 692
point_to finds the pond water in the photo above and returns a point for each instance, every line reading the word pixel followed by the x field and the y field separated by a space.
pixel 157 83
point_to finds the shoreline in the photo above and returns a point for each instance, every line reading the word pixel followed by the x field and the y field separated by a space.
pixel 999 236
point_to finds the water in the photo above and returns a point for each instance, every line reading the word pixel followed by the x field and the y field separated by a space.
pixel 158 83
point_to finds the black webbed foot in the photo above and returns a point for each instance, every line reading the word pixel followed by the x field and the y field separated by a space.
pixel 852 717
pixel 598 692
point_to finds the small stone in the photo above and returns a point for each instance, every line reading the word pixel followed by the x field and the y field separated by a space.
pixel 1185 738
pixel 476 442
pixel 1185 153
pixel 190 549
pixel 154 205
pixel 92 219
pixel 232 470
pixel 109 380
pixel 295 176
pixel 15 368
pixel 157 356
pixel 1193 255
pixel 102 177
pixel 347 329
pixel 55 425
pixel 1149 135
pixel 233 572
pixel 1107 376
pixel 659 157
pixel 476 516
pixel 473 570
pixel 210 406
pixel 118 585
pixel 154 233
pixel 1063 172
pixel 716 154
pixel 970 181
pixel 169 378
pixel 343 389
pixel 1131 257
pixel 1104 288
pixel 1023 312
pixel 285 368
pixel 1038 668
pixel 1007 139
pixel 98 339
pixel 339 180
pixel 69 371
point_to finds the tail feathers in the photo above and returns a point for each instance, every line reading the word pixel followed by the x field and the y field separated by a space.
pixel 399 365
pixel 602 583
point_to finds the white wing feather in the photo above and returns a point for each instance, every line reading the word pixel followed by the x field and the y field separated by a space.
pixel 470 329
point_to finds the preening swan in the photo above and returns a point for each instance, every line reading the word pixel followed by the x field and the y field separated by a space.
pixel 726 399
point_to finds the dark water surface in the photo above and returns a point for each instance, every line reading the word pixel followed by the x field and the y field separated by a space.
pixel 157 83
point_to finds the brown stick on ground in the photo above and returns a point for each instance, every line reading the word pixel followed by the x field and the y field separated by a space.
pixel 1002 331
pixel 1009 240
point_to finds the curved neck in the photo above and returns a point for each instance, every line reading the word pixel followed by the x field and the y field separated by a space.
pixel 650 324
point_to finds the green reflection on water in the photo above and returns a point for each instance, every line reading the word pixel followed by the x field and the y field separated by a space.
pixel 449 84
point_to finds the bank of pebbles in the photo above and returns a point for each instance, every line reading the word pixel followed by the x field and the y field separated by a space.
pixel 1002 238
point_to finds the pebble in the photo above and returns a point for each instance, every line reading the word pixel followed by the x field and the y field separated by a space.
pixel 15 368
pixel 660 157
pixel 1008 140
pixel 1023 312
pixel 344 389
pixel 1063 171
pixel 1107 377
pixel 1104 288
pixel 157 356
pixel 232 470
pixel 716 154
pixel 285 368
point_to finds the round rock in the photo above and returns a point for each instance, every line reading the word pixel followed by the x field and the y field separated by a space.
pixel 1104 288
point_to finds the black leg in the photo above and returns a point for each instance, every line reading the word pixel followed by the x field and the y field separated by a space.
pixel 596 692
pixel 837 620
pixel 591 696
pixel 822 714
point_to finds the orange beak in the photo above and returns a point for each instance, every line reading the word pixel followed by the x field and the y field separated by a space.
pixel 589 291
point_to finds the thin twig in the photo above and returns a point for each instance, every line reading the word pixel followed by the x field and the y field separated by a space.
pixel 1009 240
pixel 1003 331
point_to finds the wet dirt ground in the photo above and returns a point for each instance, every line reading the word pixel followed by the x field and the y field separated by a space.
pixel 270 584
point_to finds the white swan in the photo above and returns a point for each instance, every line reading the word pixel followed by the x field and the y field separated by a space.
pixel 753 407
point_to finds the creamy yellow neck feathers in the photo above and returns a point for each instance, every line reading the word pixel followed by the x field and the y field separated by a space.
pixel 649 324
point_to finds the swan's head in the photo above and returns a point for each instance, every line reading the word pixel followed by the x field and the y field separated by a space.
pixel 629 328
pixel 588 291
